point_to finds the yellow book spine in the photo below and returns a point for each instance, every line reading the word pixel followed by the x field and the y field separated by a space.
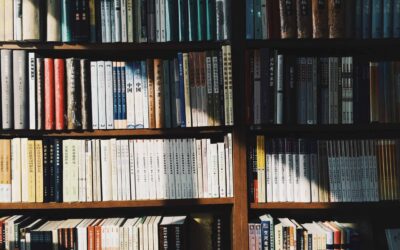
pixel 39 170
pixel 31 171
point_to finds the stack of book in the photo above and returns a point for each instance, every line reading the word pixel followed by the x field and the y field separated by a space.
pixel 322 19
pixel 307 170
pixel 287 89
pixel 147 232
pixel 289 234
pixel 113 21
pixel 191 90
pixel 55 170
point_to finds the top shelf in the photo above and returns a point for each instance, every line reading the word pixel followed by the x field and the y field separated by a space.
pixel 341 44
pixel 178 46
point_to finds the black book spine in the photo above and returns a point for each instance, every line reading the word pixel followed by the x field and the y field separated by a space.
pixel 51 172
pixel 163 235
pixel 98 19
pixel 151 21
pixel 84 34
pixel 264 60
pixel 271 88
pixel 143 16
pixel 289 90
pixel 58 170
pixel 85 94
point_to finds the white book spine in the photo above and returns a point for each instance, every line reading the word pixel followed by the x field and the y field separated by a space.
pixel 185 172
pixel 178 167
pixel 305 179
pixel 204 156
pixel 145 169
pixel 118 162
pixel 186 80
pixel 289 175
pixel 75 160
pixel 94 94
pixel 171 168
pixel 302 163
pixel 126 185
pixel 374 171
pixel 17 20
pixel 109 95
pixel 24 169
pixel 282 175
pixel 106 171
pixel 152 168
pixel 16 170
pixel 214 167
pixel 199 163
pixel 138 90
pixel 32 90
pixel 130 96
pixel 268 174
pixel 193 165
pixel 132 170
pixel 162 20
pixel 138 171
pixel 117 20
pixel 314 177
pixel 89 171
pixel 275 177
pixel 112 164
pixel 222 169
pixel 124 16
pixel 162 162
pixel 82 170
pixel 145 99
pixel 98 181
pixel 102 96
pixel 160 169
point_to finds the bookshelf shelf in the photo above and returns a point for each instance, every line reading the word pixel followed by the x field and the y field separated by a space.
pixel 345 129
pixel 117 204
pixel 190 132
pixel 324 205
pixel 168 46
pixel 337 44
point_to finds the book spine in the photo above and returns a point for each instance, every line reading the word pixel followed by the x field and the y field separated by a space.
pixel 358 19
pixel 183 20
pixel 58 170
pixel 388 11
pixel 396 18
pixel 304 16
pixel 151 93
pixel 377 19
pixel 151 21
pixel 138 95
pixel 287 10
pixel 93 22
pixel 130 96
pixel 20 89
pixel 32 90
pixel 143 21
pixel 167 94
pixel 73 93
pixel 84 97
pixel 31 21
pixel 124 24
pixel 9 16
pixel 366 19
pixel 123 96
pixel 158 92
pixel 109 95
pixel 2 20
pixel 145 86
pixel 66 16
pixel 17 20
pixel 59 86
pixel 94 95
pixel 336 22
pixel 6 89
pixel 117 20
pixel 129 21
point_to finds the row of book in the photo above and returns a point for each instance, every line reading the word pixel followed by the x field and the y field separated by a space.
pixel 322 19
pixel 287 89
pixel 194 231
pixel 306 170
pixel 69 170
pixel 284 233
pixel 190 90
pixel 115 21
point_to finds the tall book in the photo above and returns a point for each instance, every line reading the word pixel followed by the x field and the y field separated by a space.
pixel 73 93
pixel 39 93
pixel 158 92
pixel 66 21
pixel 2 20
pixel 85 94
pixel 9 16
pixel 304 14
pixel 31 20
pixel 287 9
pixel 59 94
pixel 49 109
pixel 320 18
pixel 20 89
pixel 336 22
pixel 6 89
pixel 53 28
pixel 32 90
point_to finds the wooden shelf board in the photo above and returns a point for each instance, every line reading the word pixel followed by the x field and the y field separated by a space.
pixel 117 204
pixel 324 43
pixel 340 128
pixel 323 205
pixel 184 46
pixel 120 132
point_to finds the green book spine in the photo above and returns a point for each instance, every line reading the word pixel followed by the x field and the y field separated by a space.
pixel 200 20
pixel 210 19
pixel 192 20
pixel 66 34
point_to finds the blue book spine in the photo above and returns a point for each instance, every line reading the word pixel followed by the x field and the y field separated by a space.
pixel 257 20
pixel 366 19
pixel 66 34
pixel 358 19
pixel 249 19
pixel 210 19
pixel 115 92
pixel 377 18
pixel 123 92
pixel 173 92
pixel 265 227
pixel 145 87
pixel 181 90
pixel 387 18
pixel 119 89
pixel 129 91
pixel 167 94
pixel 396 18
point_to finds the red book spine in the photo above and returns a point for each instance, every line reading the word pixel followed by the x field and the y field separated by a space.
pixel 49 93
pixel 90 238
pixel 59 83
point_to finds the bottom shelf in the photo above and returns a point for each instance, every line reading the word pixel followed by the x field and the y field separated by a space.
pixel 117 204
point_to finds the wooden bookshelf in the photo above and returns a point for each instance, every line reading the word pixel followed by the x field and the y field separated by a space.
pixel 324 205
pixel 173 132
pixel 117 204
